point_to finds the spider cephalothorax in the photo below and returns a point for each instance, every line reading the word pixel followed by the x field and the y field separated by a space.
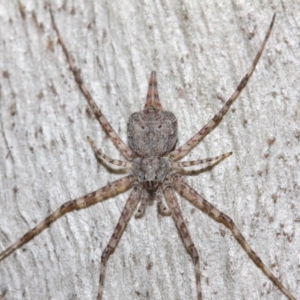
pixel 151 171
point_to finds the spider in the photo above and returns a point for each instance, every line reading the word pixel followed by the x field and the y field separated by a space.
pixel 155 172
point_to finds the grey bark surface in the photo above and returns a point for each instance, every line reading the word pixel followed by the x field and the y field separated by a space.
pixel 200 52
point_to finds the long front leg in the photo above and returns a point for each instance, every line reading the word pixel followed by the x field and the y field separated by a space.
pixel 127 212
pixel 123 148
pixel 197 200
pixel 184 233
pixel 104 193
pixel 213 123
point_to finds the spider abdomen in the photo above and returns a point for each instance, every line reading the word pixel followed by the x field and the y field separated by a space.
pixel 152 132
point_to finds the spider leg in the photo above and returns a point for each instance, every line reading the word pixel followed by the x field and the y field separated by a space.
pixel 104 193
pixel 152 94
pixel 213 123
pixel 197 200
pixel 207 162
pixel 126 214
pixel 183 231
pixel 99 154
pixel 123 148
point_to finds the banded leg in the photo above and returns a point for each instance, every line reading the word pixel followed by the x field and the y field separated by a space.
pixel 207 162
pixel 126 214
pixel 213 123
pixel 99 154
pixel 104 193
pixel 183 231
pixel 197 200
pixel 123 148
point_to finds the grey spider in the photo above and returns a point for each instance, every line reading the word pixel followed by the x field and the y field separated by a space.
pixel 152 158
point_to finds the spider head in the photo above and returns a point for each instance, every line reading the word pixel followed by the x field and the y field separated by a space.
pixel 151 171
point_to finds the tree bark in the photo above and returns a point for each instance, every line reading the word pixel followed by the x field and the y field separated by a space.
pixel 200 51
